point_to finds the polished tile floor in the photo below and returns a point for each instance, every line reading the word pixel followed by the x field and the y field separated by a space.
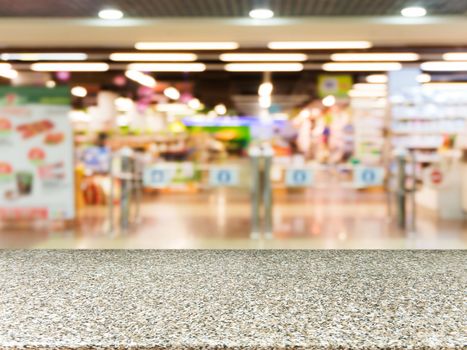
pixel 327 218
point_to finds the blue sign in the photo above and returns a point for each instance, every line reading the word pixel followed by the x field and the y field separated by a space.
pixel 368 176
pixel 299 177
pixel 157 177
pixel 219 177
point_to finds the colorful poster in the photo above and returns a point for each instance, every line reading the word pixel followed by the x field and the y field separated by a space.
pixel 336 85
pixel 36 154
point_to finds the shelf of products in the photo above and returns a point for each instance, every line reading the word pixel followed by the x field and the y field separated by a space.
pixel 428 119
pixel 369 122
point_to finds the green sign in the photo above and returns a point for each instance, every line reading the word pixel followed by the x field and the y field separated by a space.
pixel 336 85
pixel 22 95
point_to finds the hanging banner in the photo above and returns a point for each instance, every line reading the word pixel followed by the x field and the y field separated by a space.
pixel 36 154
pixel 368 176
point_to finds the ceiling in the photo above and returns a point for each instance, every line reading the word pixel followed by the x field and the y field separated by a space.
pixel 224 8
pixel 72 25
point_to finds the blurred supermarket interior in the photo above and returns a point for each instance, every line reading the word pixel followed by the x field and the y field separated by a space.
pixel 233 124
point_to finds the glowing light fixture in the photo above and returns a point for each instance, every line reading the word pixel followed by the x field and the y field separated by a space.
pixel 195 104
pixel 148 57
pixel 124 104
pixel 220 109
pixel 414 11
pixel 264 67
pixel 362 57
pixel 5 66
pixel 9 73
pixel 70 67
pixel 455 56
pixel 423 78
pixel 46 56
pixel 263 57
pixel 261 13
pixel 168 67
pixel 50 84
pixel 172 93
pixel 265 89
pixel 367 93
pixel 79 91
pixel 186 46
pixel 443 66
pixel 318 45
pixel 361 66
pixel 329 101
pixel 377 79
pixel 362 86
pixel 141 78
pixel 265 101
pixel 110 14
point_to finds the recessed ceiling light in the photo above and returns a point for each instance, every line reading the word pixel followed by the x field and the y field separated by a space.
pixel 168 67
pixel 186 46
pixel 141 78
pixel 362 66
pixel 362 57
pixel 148 57
pixel 264 67
pixel 455 56
pixel 261 13
pixel 111 14
pixel 79 91
pixel 377 79
pixel 443 66
pixel 263 57
pixel 414 11
pixel 318 45
pixel 46 56
pixel 70 67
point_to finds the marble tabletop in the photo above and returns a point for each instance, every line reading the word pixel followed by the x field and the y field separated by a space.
pixel 269 299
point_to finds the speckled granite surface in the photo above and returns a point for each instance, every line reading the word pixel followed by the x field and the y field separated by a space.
pixel 233 299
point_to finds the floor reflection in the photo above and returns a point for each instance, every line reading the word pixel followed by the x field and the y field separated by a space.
pixel 316 219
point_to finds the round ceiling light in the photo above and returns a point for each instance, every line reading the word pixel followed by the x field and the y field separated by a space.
pixel 110 14
pixel 261 13
pixel 414 11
